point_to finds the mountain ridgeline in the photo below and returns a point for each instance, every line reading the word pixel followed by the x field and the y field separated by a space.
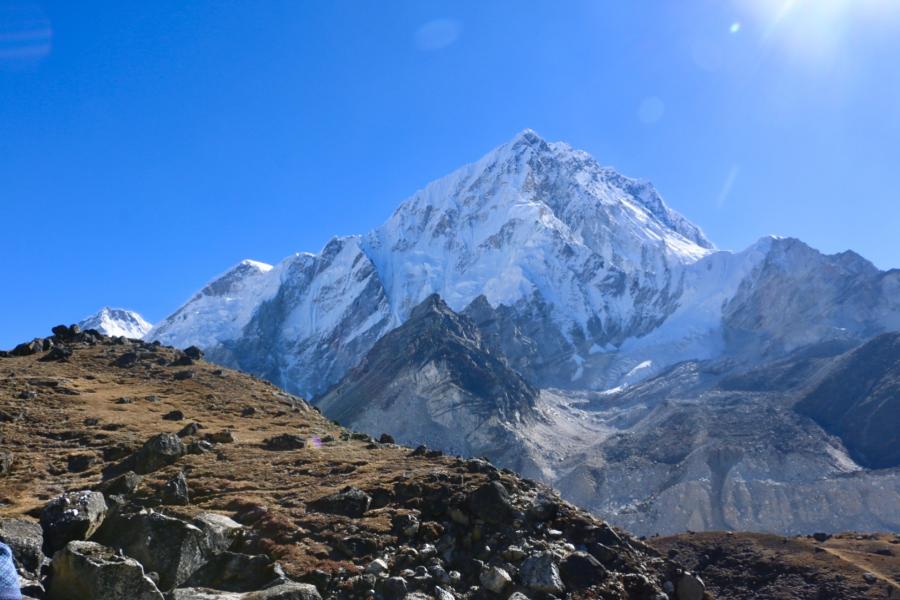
pixel 545 311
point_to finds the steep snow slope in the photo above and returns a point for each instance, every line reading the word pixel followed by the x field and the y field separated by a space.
pixel 116 322
pixel 221 309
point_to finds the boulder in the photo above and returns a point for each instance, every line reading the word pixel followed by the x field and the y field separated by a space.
pixel 285 441
pixel 26 540
pixel 193 352
pixel 491 503
pixel 581 570
pixel 172 548
pixel 285 591
pixel 350 502
pixel 157 452
pixel 540 573
pixel 57 354
pixel 220 437
pixel 72 516
pixel 175 491
pixel 690 587
pixel 393 588
pixel 377 567
pixel 236 572
pixel 123 485
pixel 220 532
pixel 173 415
pixel 495 579
pixel 89 571
pixel 28 348
pixel 127 360
pixel 189 429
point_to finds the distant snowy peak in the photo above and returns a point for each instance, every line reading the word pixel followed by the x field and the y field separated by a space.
pixel 572 255
pixel 117 322
pixel 533 217
pixel 221 309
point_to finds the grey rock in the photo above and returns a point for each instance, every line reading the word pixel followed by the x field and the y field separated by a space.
pixel 236 572
pixel 350 502
pixel 285 591
pixel 581 570
pixel 72 516
pixel 394 588
pixel 220 532
pixel 442 594
pixel 157 452
pixel 165 545
pixel 26 540
pixel 540 573
pixel 89 571
pixel 122 485
pixel 690 587
pixel 377 567
pixel 175 491
pixel 491 502
pixel 495 579
pixel 285 441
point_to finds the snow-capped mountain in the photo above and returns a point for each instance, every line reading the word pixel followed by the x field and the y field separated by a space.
pixel 117 322
pixel 534 227
pixel 628 342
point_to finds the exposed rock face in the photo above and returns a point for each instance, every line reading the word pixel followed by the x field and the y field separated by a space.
pixel 87 571
pixel 798 296
pixel 431 380
pixel 859 401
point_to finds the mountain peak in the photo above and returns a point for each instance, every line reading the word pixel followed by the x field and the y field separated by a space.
pixel 117 322
pixel 527 136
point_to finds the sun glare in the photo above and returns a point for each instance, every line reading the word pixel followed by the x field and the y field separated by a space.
pixel 817 28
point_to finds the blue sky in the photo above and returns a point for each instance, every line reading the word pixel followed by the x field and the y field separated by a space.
pixel 147 146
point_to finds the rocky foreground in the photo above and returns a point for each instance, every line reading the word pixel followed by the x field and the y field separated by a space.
pixel 136 471
pixel 129 470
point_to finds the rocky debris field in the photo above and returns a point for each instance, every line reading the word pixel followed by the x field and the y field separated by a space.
pixel 772 567
pixel 129 470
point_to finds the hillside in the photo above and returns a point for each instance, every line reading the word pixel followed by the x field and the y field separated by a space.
pixel 349 515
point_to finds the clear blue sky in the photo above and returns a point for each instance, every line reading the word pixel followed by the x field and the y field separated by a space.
pixel 147 146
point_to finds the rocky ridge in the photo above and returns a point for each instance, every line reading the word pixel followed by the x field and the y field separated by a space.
pixel 140 471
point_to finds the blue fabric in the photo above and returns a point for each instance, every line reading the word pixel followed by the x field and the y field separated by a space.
pixel 9 578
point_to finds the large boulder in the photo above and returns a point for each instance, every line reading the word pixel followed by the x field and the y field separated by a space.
pixel 168 546
pixel 285 591
pixel 235 572
pixel 491 503
pixel 690 587
pixel 581 570
pixel 157 452
pixel 350 502
pixel 540 573
pixel 89 571
pixel 220 532
pixel 72 516
pixel 176 491
pixel 26 540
